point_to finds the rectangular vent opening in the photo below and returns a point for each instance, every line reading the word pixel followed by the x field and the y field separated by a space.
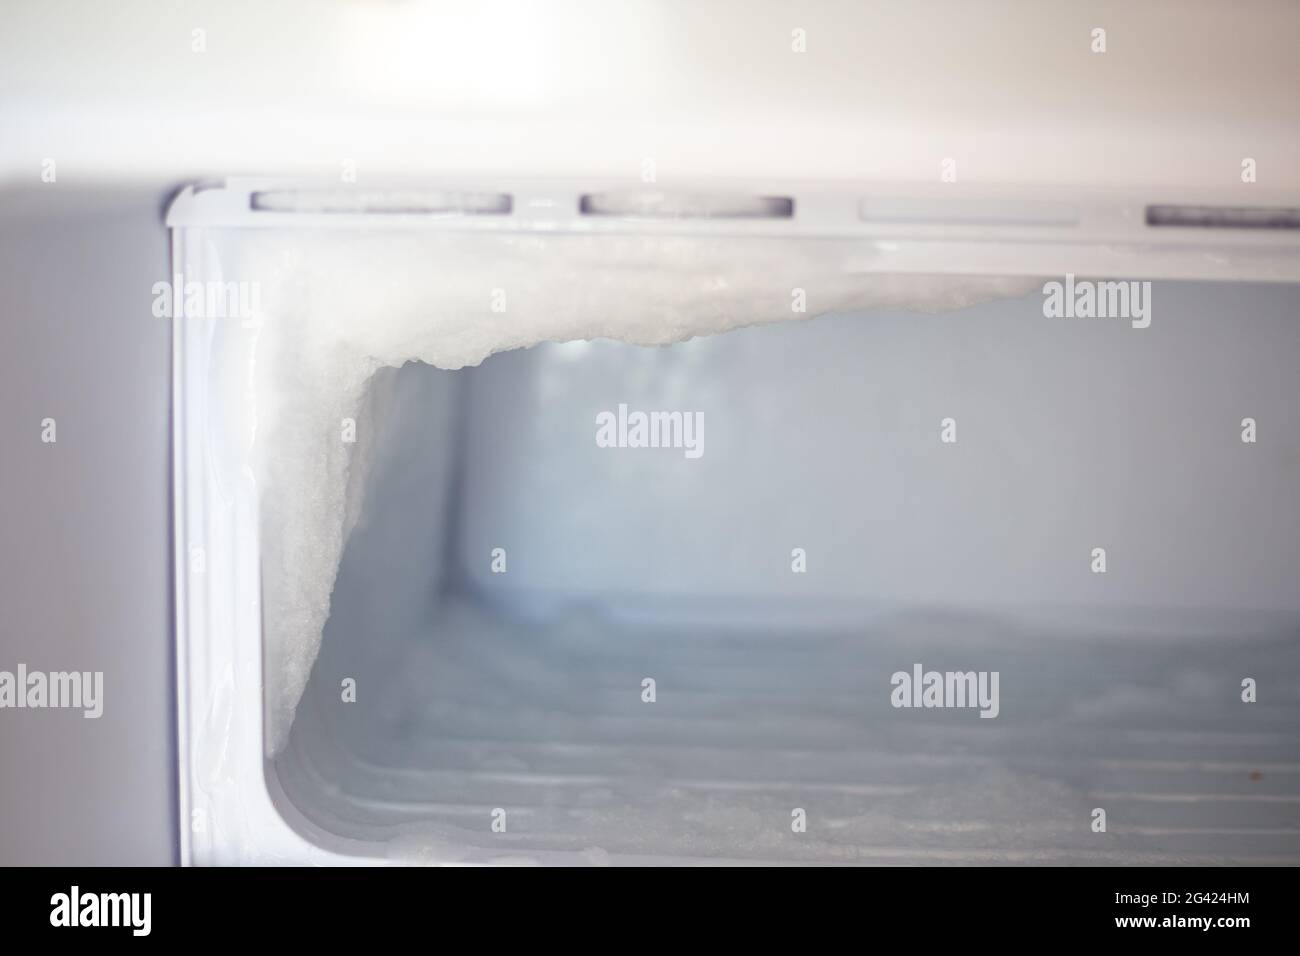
pixel 1224 217
pixel 385 202
pixel 967 212
pixel 667 205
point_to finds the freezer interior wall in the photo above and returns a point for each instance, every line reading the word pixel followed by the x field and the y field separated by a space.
pixel 520 687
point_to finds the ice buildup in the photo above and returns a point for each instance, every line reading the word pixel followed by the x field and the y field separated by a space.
pixel 338 305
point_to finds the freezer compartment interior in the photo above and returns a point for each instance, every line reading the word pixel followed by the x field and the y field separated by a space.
pixel 515 679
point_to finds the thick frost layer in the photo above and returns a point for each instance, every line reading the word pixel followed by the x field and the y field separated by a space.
pixel 337 307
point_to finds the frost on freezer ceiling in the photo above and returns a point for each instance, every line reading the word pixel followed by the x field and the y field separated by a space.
pixel 338 307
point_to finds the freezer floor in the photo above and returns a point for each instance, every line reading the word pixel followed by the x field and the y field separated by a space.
pixel 547 722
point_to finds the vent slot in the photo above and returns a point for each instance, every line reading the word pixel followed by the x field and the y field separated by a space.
pixel 387 202
pixel 967 212
pixel 660 205
pixel 1224 217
